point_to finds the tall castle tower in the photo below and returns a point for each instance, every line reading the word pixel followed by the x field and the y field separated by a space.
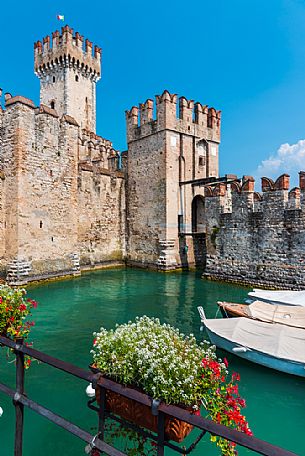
pixel 167 156
pixel 68 72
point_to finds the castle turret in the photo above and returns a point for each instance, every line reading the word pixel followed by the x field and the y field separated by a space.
pixel 68 72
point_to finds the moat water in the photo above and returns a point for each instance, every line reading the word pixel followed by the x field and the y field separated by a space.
pixel 69 311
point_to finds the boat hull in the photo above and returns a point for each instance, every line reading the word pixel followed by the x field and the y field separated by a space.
pixel 279 364
pixel 232 310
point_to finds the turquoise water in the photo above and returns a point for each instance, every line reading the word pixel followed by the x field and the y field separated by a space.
pixel 68 313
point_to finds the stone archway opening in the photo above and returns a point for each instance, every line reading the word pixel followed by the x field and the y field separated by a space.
pixel 198 220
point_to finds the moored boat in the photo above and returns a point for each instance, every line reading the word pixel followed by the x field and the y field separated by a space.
pixel 277 346
pixel 232 309
pixel 263 311
pixel 283 297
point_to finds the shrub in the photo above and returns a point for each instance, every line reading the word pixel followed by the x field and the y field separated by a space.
pixel 14 310
pixel 172 367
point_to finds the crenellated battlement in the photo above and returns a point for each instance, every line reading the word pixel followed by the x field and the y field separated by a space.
pixel 274 196
pixel 146 112
pixel 96 152
pixel 10 100
pixel 67 49
pixel 281 183
pixel 191 118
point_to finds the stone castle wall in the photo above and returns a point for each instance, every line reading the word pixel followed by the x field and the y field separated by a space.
pixel 101 203
pixel 61 198
pixel 65 205
pixel 40 162
pixel 146 195
pixel 256 238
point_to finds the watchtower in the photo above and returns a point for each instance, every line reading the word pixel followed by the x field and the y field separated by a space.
pixel 166 155
pixel 68 72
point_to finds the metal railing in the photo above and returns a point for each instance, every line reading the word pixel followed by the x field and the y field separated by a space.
pixel 20 400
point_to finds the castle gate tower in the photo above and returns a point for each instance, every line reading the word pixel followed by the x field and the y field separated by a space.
pixel 166 156
pixel 68 72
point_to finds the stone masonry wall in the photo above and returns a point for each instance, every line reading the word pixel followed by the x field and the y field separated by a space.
pixel 2 197
pixel 256 238
pixel 146 209
pixel 101 215
pixel 43 173
pixel 56 211
pixel 101 202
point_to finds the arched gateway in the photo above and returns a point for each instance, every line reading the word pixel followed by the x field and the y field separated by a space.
pixel 198 225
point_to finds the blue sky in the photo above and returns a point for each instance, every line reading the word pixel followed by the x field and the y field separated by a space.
pixel 245 57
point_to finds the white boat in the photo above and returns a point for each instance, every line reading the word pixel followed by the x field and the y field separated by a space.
pixel 264 311
pixel 286 297
pixel 275 345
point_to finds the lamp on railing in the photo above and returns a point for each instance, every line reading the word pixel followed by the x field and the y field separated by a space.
pixel 90 391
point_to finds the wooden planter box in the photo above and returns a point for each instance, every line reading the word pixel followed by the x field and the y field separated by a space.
pixel 141 415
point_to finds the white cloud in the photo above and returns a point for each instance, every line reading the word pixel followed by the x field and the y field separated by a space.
pixel 288 159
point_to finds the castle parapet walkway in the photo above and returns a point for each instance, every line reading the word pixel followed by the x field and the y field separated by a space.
pixel 21 400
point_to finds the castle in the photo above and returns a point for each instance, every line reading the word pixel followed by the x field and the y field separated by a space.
pixel 70 202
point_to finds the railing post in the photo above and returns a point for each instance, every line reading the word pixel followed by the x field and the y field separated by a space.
pixel 161 432
pixel 101 413
pixel 18 406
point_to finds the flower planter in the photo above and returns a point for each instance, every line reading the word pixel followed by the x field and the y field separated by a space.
pixel 168 365
pixel 141 415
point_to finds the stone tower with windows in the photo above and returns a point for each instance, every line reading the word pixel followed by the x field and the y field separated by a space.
pixel 167 156
pixel 61 195
pixel 68 71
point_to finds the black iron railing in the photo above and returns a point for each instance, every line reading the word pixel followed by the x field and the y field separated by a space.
pixel 20 401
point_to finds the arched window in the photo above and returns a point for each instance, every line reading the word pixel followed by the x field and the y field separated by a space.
pixel 76 78
pixel 52 104
pixel 54 79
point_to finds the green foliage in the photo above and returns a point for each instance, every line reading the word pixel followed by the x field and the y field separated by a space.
pixel 131 442
pixel 15 310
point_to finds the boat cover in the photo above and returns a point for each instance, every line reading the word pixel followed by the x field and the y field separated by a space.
pixel 291 298
pixel 287 315
pixel 279 341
